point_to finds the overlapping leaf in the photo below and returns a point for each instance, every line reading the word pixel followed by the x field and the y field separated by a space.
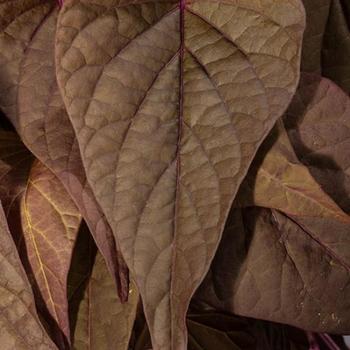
pixel 15 164
pixel 98 319
pixel 210 330
pixel 30 97
pixel 50 222
pixel 19 323
pixel 326 44
pixel 169 101
pixel 318 125
pixel 280 264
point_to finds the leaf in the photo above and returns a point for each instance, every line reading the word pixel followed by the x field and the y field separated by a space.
pixel 336 45
pixel 50 222
pixel 35 107
pixel 269 267
pixel 170 101
pixel 278 180
pixel 318 125
pixel 15 165
pixel 279 264
pixel 98 318
pixel 317 13
pixel 211 329
pixel 20 326
pixel 326 43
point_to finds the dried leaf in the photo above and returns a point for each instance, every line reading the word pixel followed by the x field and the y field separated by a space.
pixel 50 222
pixel 34 105
pixel 19 323
pixel 99 320
pixel 170 101
pixel 318 125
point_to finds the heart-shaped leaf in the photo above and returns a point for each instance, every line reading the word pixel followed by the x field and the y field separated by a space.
pixel 170 101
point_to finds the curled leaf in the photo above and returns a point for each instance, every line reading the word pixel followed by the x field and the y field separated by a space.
pixel 170 101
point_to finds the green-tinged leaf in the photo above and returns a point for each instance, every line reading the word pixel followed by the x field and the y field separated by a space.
pixel 20 328
pixel 98 319
pixel 269 267
pixel 33 104
pixel 50 222
pixel 318 125
pixel 170 101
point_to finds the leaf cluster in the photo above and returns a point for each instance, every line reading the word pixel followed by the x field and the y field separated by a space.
pixel 174 174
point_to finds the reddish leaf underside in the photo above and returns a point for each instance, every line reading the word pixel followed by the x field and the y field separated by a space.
pixel 170 101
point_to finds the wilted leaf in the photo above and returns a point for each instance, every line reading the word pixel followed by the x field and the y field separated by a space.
pixel 268 267
pixel 34 105
pixel 169 101
pixel 19 323
pixel 50 222
pixel 99 320
pixel 318 125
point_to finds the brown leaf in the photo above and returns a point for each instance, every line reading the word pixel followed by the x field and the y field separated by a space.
pixel 210 330
pixel 50 222
pixel 336 45
pixel 15 164
pixel 280 266
pixel 318 125
pixel 98 319
pixel 278 180
pixel 326 43
pixel 19 323
pixel 317 13
pixel 269 267
pixel 169 101
pixel 34 105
